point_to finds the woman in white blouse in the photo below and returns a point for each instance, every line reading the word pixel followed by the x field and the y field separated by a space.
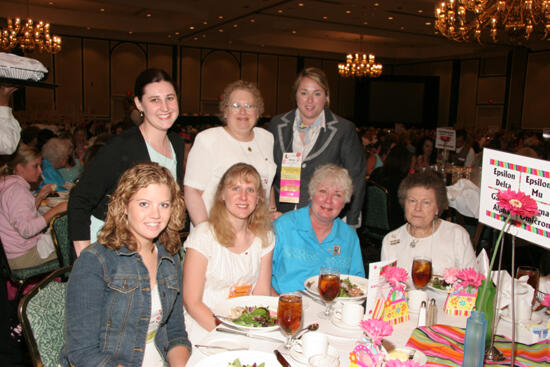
pixel 423 196
pixel 230 255
pixel 215 150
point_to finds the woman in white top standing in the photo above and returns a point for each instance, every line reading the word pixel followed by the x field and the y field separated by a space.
pixel 215 150
pixel 231 254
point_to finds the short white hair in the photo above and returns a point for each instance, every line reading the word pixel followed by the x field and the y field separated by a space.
pixel 332 174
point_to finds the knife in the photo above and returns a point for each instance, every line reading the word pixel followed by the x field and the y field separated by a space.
pixel 313 298
pixel 250 335
pixel 282 360
pixel 220 347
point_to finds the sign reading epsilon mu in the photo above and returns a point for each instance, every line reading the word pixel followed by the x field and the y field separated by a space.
pixel 502 171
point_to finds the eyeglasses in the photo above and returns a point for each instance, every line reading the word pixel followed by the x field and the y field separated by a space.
pixel 237 107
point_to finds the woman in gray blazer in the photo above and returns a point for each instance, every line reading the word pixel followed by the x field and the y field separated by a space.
pixel 317 136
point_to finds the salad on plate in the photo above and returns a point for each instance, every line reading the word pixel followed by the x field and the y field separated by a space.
pixel 237 363
pixel 253 316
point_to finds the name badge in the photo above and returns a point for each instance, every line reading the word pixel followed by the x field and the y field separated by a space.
pixel 336 250
pixel 291 168
pixel 240 290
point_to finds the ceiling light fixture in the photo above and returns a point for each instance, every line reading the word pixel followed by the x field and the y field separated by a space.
pixel 510 21
pixel 29 36
pixel 360 66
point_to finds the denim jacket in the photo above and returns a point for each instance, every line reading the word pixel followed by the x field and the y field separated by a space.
pixel 108 307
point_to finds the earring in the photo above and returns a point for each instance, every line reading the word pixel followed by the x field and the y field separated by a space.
pixel 141 114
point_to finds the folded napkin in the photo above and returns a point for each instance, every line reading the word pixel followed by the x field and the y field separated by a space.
pixel 524 292
pixel 482 263
pixel 464 197
pixel 443 345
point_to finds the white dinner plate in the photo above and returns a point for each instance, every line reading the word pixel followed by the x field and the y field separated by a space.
pixel 224 309
pixel 311 286
pixel 246 357
pixel 221 341
pixel 419 357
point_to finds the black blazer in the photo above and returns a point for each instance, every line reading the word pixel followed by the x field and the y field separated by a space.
pixel 91 195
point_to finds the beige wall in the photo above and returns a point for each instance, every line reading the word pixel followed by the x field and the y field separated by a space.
pixel 95 77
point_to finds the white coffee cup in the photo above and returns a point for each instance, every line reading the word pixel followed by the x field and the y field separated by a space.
pixel 416 296
pixel 313 343
pixel 350 314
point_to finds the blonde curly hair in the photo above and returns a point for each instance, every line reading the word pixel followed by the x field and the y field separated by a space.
pixel 115 234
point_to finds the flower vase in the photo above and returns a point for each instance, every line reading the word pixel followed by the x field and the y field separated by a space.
pixel 367 354
pixel 474 350
pixel 487 306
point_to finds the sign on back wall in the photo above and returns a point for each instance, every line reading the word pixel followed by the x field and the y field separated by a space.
pixel 502 171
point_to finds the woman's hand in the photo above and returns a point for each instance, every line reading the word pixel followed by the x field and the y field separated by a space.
pixel 58 209
pixel 43 193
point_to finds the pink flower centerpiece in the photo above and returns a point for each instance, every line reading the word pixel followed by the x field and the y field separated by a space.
pixel 469 278
pixel 376 330
pixel 369 352
pixel 516 203
pixel 395 275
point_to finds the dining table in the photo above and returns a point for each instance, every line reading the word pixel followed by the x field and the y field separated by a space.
pixel 343 339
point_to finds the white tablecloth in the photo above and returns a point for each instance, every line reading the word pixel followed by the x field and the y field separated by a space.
pixel 344 340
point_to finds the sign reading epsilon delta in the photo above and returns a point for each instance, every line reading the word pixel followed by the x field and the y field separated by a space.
pixel 503 171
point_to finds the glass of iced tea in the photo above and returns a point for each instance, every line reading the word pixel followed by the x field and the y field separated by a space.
pixel 289 315
pixel 421 271
pixel 329 288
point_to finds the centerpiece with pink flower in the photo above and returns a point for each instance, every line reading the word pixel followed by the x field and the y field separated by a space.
pixel 391 304
pixel 369 352
pixel 515 207
pixel 464 288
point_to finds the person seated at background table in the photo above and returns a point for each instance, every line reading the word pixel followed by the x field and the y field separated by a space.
pixel 312 237
pixel 72 170
pixel 426 154
pixel 55 155
pixel 21 225
pixel 395 169
pixel 423 196
pixel 464 155
pixel 229 255
pixel 123 303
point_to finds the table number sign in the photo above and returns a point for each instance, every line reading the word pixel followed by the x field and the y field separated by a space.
pixel 445 138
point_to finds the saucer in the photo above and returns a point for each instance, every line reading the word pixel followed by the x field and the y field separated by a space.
pixel 336 321
pixel 298 356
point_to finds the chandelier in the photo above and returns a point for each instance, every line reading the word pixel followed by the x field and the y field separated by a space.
pixel 512 21
pixel 29 36
pixel 359 66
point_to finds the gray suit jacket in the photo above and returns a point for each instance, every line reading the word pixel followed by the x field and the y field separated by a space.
pixel 338 143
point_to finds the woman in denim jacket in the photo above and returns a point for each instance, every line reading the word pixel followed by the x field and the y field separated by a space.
pixel 124 304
